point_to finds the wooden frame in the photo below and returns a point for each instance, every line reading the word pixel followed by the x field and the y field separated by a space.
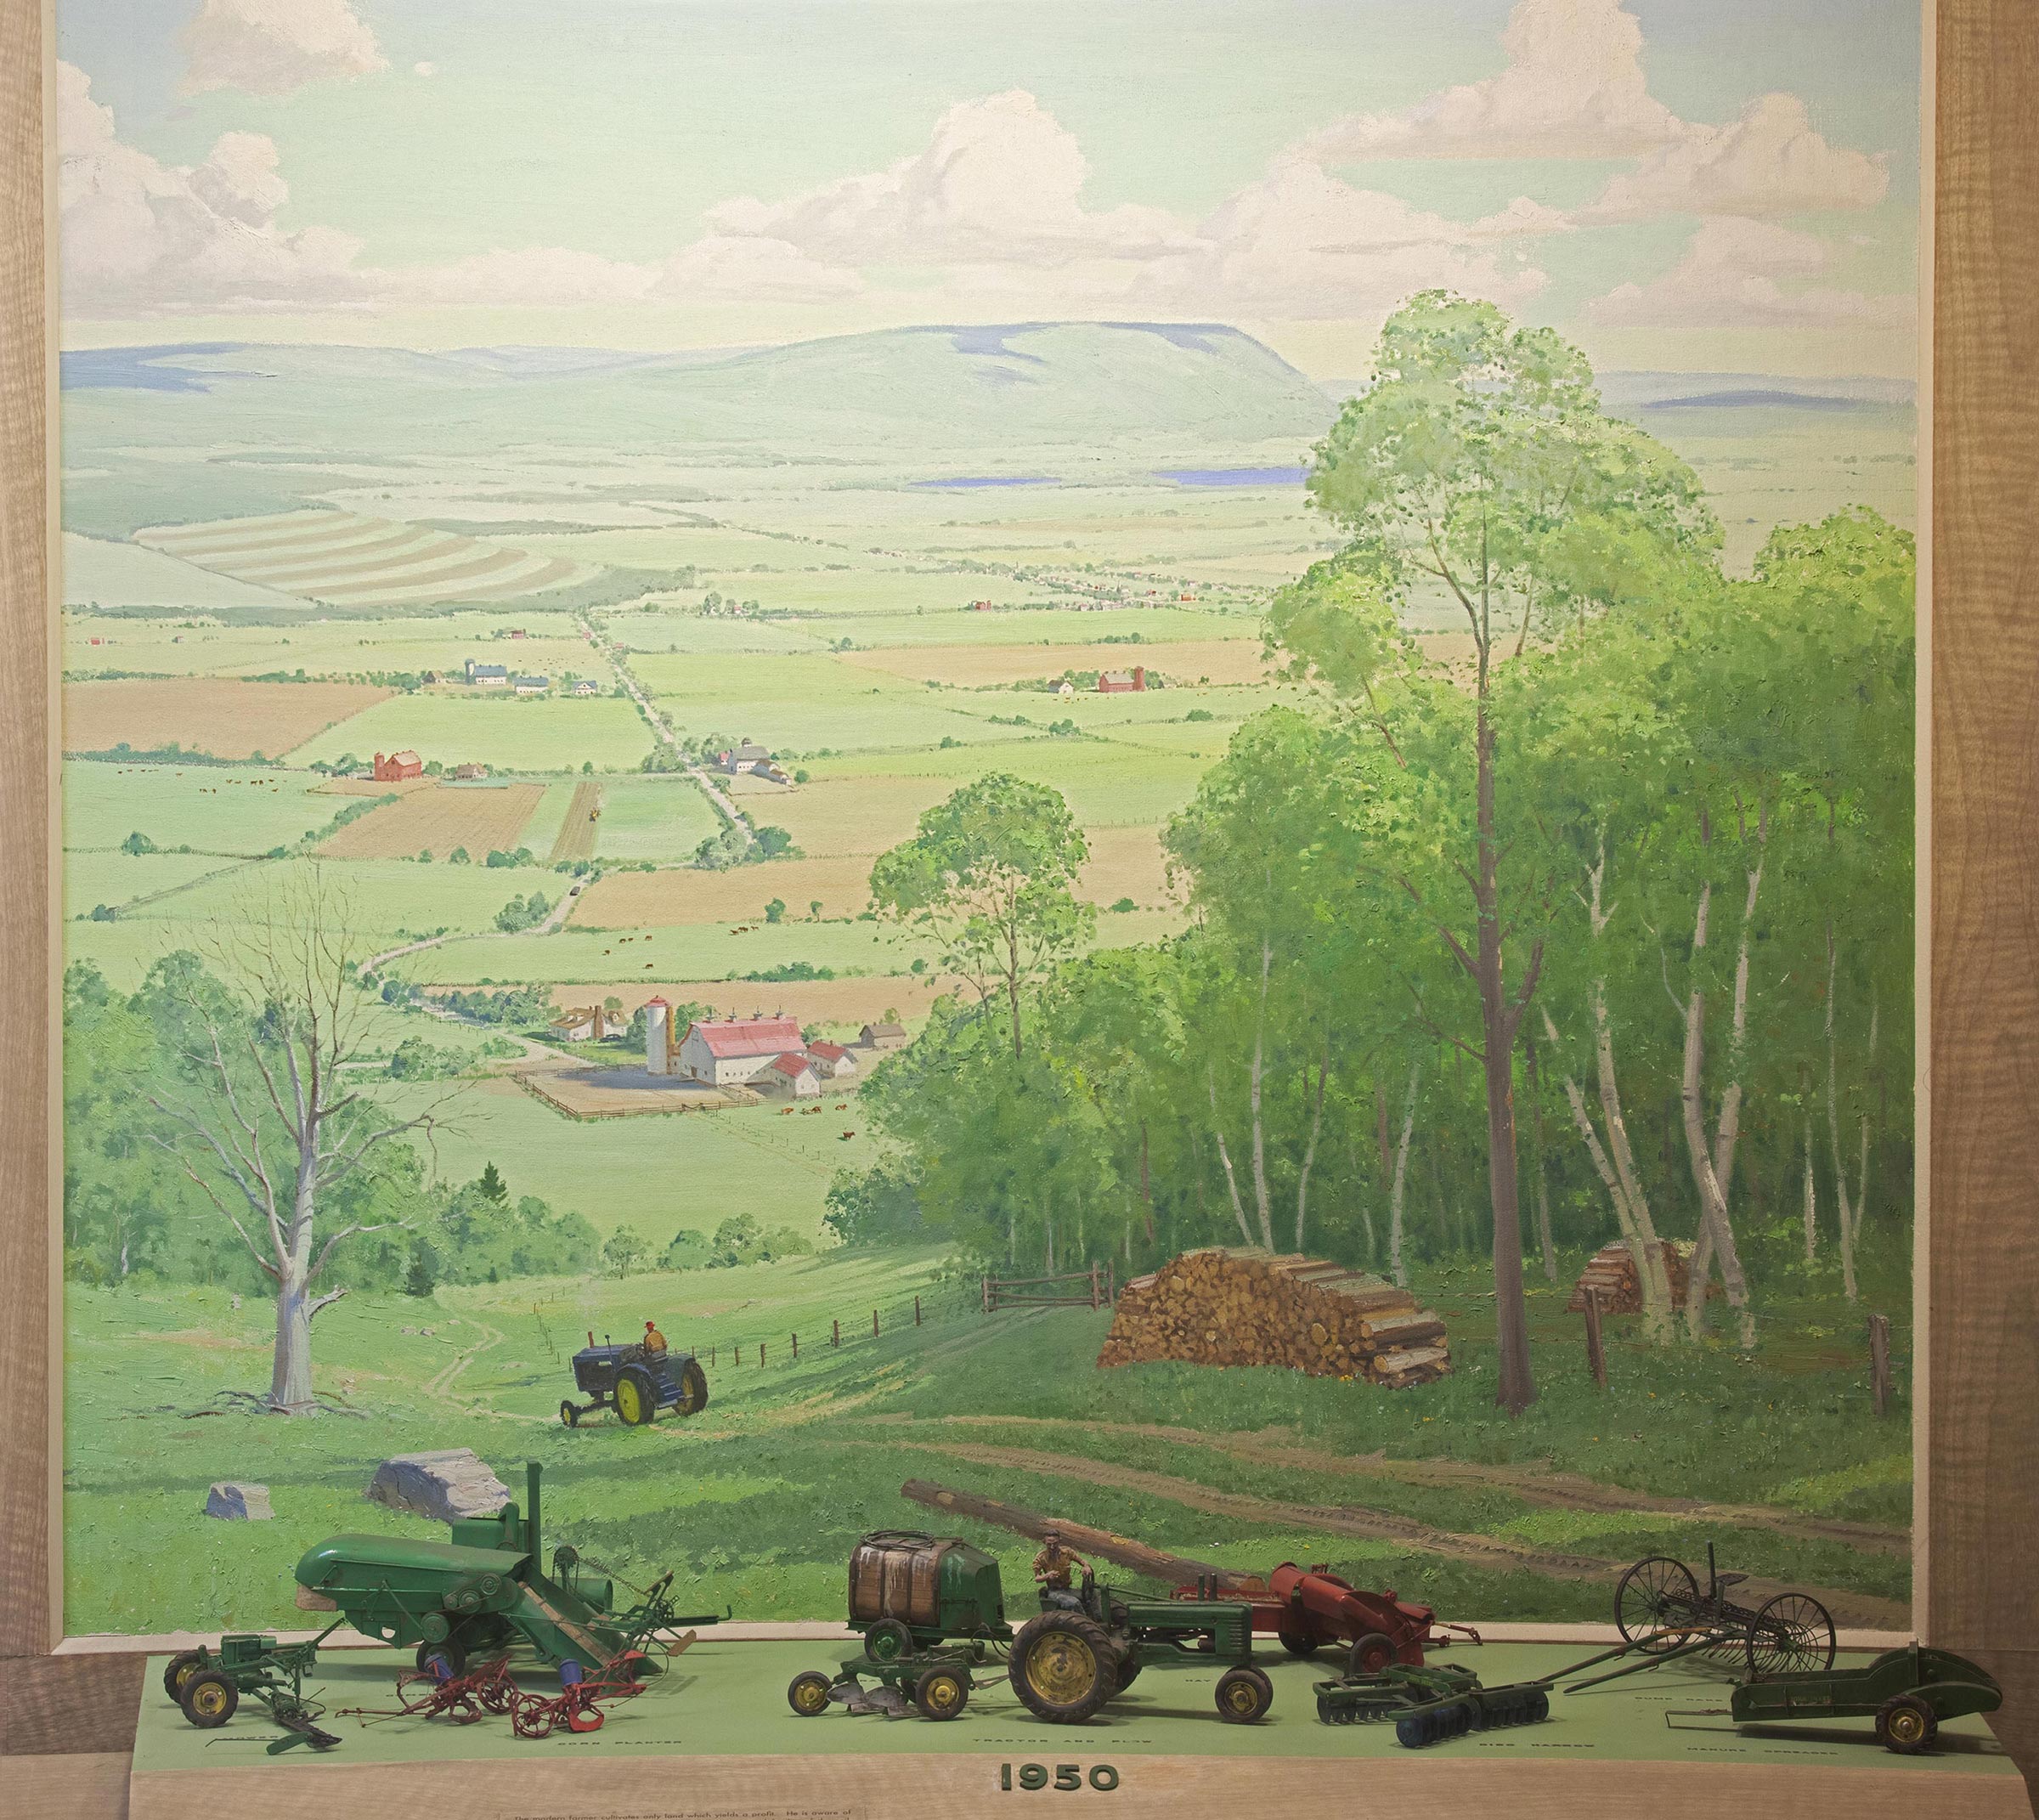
pixel 66 1721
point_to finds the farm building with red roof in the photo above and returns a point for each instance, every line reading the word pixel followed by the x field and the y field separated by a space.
pixel 731 1052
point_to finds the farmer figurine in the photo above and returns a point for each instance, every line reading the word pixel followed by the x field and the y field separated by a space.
pixel 1052 1569
pixel 654 1341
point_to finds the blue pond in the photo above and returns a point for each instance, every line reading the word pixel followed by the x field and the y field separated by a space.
pixel 1234 477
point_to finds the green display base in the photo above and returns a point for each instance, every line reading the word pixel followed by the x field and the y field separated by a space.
pixel 718 1720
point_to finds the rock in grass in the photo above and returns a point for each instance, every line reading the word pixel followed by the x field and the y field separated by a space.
pixel 237 1502
pixel 457 1483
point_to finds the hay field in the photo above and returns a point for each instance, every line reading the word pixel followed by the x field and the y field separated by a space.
pixel 1220 661
pixel 479 819
pixel 1124 862
pixel 568 825
pixel 673 898
pixel 228 720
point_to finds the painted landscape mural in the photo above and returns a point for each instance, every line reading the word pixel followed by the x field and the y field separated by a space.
pixel 903 685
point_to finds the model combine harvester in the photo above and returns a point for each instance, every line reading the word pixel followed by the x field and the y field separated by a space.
pixel 486 1592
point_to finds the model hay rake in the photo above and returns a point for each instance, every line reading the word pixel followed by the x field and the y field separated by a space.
pixel 1658 1607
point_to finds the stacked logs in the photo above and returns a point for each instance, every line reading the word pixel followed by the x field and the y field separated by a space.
pixel 1248 1308
pixel 1612 1271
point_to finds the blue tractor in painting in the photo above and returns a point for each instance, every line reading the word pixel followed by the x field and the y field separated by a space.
pixel 636 1381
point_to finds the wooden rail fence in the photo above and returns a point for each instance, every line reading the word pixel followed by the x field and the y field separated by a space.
pixel 1096 1287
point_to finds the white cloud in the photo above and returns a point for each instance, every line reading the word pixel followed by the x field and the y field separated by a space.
pixel 271 46
pixel 1767 162
pixel 424 69
pixel 999 182
pixel 1729 279
pixel 1573 88
pixel 1300 244
pixel 136 235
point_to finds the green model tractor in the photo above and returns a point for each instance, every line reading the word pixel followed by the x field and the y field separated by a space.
pixel 931 1609
pixel 484 1592
pixel 208 1685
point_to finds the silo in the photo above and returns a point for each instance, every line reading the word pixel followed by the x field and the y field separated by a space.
pixel 658 1037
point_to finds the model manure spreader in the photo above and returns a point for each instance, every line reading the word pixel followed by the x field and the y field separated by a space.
pixel 484 1592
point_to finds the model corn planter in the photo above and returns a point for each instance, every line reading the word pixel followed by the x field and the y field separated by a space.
pixel 636 1383
pixel 208 1685
pixel 485 1591
pixel 931 1609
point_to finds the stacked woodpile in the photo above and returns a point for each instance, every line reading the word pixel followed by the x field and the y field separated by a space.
pixel 1612 1271
pixel 1237 1307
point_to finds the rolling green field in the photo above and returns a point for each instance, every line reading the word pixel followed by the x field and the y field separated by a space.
pixel 756 1502
pixel 214 809
pixel 695 952
pixel 507 733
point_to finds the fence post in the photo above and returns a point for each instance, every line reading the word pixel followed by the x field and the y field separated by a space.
pixel 1094 1285
pixel 987 1299
pixel 1597 1357
pixel 835 1334
pixel 711 1354
pixel 874 1324
pixel 796 1346
pixel 1880 1361
pixel 917 1311
pixel 760 1352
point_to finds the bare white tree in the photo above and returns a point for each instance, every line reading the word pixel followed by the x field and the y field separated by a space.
pixel 264 1119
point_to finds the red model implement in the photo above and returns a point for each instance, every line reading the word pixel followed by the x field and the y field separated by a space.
pixel 1307 1607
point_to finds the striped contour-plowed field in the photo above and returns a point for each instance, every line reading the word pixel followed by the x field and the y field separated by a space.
pixel 227 720
pixel 1220 660
pixel 481 819
pixel 349 559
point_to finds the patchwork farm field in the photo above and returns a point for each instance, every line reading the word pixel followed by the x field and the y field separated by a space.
pixel 841 1008
pixel 527 734
pixel 380 900
pixel 225 720
pixel 695 952
pixel 1221 661
pixel 662 900
pixel 651 818
pixel 479 817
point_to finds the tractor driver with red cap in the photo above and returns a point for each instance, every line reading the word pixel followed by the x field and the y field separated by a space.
pixel 654 1341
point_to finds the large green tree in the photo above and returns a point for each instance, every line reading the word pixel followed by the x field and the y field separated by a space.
pixel 989 872
pixel 1477 471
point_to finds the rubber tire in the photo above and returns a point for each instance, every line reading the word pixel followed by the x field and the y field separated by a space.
pixel 928 1694
pixel 1060 1623
pixel 1297 1642
pixel 179 1670
pixel 569 1415
pixel 453 1650
pixel 693 1389
pixel 1907 1710
pixel 888 1639
pixel 1129 1670
pixel 1242 1695
pixel 1370 1654
pixel 644 1398
pixel 197 1689
pixel 808 1680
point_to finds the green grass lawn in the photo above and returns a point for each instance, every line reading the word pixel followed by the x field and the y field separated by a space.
pixel 653 818
pixel 691 951
pixel 117 879
pixel 383 897
pixel 1106 784
pixel 756 1503
pixel 658 1172
pixel 512 734
pixel 217 808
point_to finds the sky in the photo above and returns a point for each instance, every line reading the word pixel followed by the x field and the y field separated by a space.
pixel 1685 184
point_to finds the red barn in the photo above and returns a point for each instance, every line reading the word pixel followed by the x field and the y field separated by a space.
pixel 394 767
pixel 1122 681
